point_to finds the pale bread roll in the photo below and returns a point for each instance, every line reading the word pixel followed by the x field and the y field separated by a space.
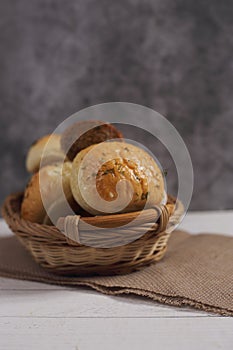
pixel 47 182
pixel 59 209
pixel 53 152
pixel 127 162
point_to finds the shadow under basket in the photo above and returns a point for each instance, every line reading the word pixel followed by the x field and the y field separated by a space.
pixel 98 245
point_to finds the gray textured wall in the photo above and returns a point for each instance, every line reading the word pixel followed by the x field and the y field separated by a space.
pixel 175 56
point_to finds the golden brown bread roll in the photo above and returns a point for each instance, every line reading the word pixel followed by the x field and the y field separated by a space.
pixel 85 133
pixel 53 152
pixel 46 181
pixel 98 171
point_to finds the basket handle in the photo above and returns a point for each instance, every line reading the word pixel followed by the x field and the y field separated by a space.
pixel 69 226
pixel 163 217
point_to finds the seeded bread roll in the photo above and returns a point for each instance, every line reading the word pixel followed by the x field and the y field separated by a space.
pixel 83 134
pixel 53 152
pixel 46 181
pixel 99 169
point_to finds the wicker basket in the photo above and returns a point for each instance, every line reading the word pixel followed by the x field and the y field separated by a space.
pixel 60 253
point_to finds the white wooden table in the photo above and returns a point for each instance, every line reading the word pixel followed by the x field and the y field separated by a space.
pixel 39 316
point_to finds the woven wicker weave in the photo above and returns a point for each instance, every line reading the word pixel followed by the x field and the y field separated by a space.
pixel 61 253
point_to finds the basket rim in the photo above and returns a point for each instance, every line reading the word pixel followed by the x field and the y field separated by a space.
pixel 103 221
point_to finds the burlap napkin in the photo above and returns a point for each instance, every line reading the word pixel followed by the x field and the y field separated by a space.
pixel 196 271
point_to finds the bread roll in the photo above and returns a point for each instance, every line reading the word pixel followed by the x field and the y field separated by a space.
pixel 53 152
pixel 99 169
pixel 46 183
pixel 83 134
pixel 59 209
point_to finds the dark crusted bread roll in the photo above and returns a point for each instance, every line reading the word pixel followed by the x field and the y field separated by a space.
pixel 86 133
